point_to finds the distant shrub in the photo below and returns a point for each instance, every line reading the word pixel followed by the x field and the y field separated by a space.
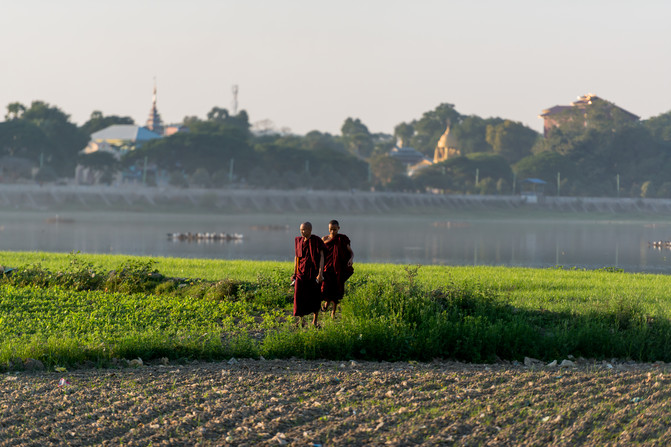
pixel 166 288
pixel 134 276
pixel 226 288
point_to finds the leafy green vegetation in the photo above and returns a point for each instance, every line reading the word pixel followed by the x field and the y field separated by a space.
pixel 596 149
pixel 95 309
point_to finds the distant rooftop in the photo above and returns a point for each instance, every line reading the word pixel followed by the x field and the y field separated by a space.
pixel 407 155
pixel 125 132
pixel 581 103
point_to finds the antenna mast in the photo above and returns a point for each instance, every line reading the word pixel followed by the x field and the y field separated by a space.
pixel 235 99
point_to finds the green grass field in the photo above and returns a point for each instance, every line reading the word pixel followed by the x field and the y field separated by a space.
pixel 80 309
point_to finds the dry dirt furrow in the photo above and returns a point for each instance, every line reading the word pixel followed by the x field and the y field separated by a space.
pixel 296 402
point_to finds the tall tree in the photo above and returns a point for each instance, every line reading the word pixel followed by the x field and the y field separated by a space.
pixel 471 134
pixel 357 138
pixel 15 110
pixel 219 121
pixel 512 140
pixel 404 132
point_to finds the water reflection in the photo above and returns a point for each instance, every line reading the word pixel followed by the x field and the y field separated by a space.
pixel 402 240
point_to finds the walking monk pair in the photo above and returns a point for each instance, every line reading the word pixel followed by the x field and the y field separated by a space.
pixel 337 266
pixel 321 267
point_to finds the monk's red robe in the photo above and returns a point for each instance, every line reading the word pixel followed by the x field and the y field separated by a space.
pixel 336 271
pixel 307 292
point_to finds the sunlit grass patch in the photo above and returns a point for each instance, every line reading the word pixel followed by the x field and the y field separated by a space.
pixel 71 309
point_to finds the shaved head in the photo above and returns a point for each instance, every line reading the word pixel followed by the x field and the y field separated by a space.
pixel 306 229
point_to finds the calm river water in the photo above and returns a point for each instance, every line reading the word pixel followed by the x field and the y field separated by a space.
pixel 401 240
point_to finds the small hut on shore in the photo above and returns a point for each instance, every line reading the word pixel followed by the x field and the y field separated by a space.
pixel 532 189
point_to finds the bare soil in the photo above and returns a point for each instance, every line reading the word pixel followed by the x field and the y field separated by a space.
pixel 311 403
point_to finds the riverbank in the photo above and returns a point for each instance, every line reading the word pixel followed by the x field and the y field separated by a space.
pixel 140 198
pixel 326 403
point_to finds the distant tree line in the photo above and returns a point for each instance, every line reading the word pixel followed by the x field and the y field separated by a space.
pixel 590 154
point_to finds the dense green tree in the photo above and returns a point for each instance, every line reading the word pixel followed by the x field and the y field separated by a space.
pixel 100 161
pixel 21 138
pixel 455 175
pixel 103 162
pixel 512 140
pixel 62 139
pixel 15 110
pixel 459 174
pixel 436 176
pixel 404 132
pixel 402 182
pixel 384 168
pixel 219 121
pixel 189 151
pixel 316 140
pixel 546 166
pixel 660 127
pixel 492 166
pixel 543 166
pixel 282 157
pixel 590 148
pixel 471 134
pixel 383 144
pixel 632 150
pixel 353 126
pixel 285 154
pixel 217 114
pixel 356 138
pixel 486 186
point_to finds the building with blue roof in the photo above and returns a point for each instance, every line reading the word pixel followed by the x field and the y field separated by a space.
pixel 119 139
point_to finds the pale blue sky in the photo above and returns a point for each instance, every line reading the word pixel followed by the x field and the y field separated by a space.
pixel 309 64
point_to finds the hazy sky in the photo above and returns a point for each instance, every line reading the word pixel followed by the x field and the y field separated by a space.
pixel 310 64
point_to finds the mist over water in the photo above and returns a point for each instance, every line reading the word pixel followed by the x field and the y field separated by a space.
pixel 426 240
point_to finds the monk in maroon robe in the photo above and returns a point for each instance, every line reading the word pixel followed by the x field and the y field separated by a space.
pixel 308 273
pixel 337 267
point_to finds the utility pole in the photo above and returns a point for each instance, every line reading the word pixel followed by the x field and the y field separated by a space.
pixel 558 183
pixel 144 172
pixel 617 181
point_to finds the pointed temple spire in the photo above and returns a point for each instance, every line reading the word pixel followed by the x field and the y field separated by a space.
pixel 154 122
